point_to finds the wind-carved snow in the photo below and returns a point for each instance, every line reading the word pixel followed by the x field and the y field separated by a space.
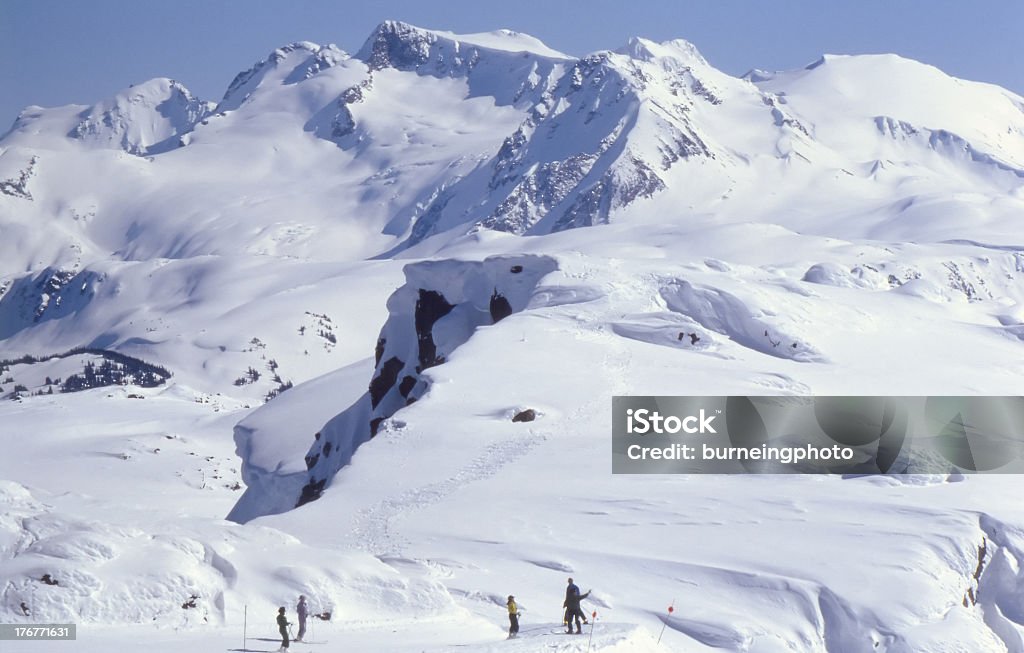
pixel 998 580
pixel 758 328
pixel 668 329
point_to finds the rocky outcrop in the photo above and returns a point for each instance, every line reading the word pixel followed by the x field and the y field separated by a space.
pixel 51 294
pixel 437 310
pixel 18 186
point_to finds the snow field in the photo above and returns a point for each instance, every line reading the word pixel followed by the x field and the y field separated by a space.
pixel 850 228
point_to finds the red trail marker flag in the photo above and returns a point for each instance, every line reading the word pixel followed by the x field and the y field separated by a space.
pixel 593 621
pixel 664 623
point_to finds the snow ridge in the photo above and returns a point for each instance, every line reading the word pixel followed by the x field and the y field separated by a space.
pixel 301 61
pixel 143 119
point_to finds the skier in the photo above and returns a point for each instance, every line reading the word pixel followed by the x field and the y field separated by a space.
pixel 571 590
pixel 572 607
pixel 303 611
pixel 513 617
pixel 282 627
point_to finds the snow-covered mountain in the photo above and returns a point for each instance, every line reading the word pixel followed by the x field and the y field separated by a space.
pixel 424 133
pixel 373 307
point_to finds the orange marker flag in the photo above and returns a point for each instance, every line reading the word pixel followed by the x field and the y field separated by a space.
pixel 591 640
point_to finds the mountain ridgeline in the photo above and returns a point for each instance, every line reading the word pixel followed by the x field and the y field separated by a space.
pixel 436 135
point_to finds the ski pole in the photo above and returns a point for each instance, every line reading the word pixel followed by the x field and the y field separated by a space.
pixel 245 626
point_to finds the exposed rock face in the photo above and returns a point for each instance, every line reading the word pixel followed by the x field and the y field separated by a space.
pixel 385 379
pixel 52 294
pixel 433 314
pixel 18 186
pixel 600 134
pixel 499 308
pixel 431 306
pixel 397 45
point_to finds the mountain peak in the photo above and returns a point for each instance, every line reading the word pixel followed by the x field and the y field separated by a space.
pixel 396 44
pixel 307 46
pixel 648 50
pixel 307 59
pixel 142 116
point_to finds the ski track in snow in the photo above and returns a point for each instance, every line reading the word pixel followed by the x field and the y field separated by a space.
pixel 373 526
pixel 616 364
pixel 777 383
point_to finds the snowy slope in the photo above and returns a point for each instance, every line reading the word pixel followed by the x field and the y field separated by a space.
pixel 357 269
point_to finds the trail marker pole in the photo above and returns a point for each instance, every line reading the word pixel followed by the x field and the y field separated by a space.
pixel 592 624
pixel 671 609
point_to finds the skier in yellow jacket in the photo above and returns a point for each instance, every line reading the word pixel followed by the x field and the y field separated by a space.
pixel 513 617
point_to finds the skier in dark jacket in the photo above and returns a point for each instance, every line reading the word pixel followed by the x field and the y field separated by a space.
pixel 282 627
pixel 572 607
pixel 570 590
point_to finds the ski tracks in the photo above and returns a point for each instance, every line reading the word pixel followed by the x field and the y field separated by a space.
pixel 373 526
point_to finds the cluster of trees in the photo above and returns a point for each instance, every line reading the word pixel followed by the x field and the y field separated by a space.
pixel 281 387
pixel 113 372
pixel 325 328
pixel 252 375
pixel 113 369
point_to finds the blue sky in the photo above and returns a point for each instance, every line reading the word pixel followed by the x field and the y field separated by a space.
pixel 57 52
